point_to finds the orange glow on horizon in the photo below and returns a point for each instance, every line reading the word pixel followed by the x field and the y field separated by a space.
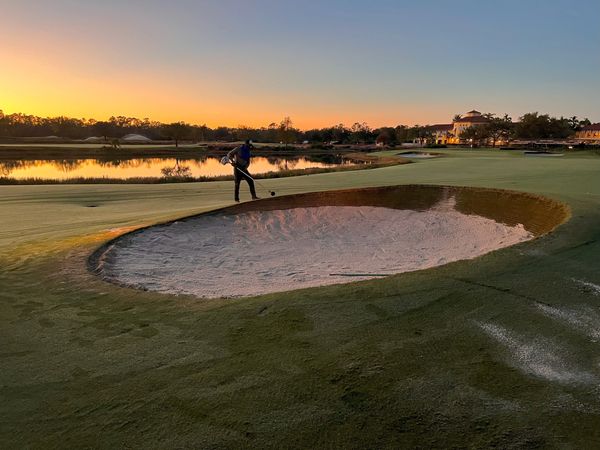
pixel 48 88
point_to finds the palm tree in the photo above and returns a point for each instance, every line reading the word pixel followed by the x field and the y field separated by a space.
pixel 573 123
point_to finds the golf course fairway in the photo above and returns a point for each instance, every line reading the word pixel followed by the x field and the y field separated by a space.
pixel 499 351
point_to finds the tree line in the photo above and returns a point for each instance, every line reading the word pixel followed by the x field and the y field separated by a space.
pixel 530 126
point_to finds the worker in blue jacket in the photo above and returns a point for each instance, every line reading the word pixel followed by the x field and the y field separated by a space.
pixel 240 159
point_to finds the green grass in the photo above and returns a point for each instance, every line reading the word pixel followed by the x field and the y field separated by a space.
pixel 394 362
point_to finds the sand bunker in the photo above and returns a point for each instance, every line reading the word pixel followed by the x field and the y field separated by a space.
pixel 418 155
pixel 263 251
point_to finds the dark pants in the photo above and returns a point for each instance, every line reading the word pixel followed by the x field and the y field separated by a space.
pixel 240 174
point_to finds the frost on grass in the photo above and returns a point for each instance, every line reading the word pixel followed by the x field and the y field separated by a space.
pixel 584 319
pixel 538 357
pixel 594 288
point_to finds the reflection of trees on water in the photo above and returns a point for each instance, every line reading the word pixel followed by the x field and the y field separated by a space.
pixel 129 163
pixel 66 165
pixel 6 167
pixel 291 163
pixel 177 171
pixel 199 162
pixel 326 159
pixel 283 164
pixel 180 168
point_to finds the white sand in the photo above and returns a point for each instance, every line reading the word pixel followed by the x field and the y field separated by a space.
pixel 418 155
pixel 261 252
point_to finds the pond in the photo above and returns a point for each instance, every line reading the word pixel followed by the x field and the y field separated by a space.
pixel 65 169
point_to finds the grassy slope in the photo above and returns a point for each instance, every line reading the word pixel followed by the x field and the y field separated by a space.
pixel 393 362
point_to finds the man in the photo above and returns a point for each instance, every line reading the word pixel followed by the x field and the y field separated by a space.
pixel 240 157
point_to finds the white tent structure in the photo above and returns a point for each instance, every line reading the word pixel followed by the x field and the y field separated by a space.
pixel 135 138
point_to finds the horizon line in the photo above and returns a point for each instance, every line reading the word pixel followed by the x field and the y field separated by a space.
pixel 242 126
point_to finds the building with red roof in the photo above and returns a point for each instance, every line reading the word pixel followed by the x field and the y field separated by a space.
pixel 441 133
pixel 471 119
pixel 450 133
pixel 590 133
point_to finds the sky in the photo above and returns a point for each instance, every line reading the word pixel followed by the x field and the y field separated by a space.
pixel 253 62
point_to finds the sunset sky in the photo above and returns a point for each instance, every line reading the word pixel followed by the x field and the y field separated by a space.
pixel 234 62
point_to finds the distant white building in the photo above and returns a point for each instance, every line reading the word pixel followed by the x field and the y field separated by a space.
pixel 470 119
pixel 450 133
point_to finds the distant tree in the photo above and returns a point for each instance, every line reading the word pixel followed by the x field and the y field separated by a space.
pixel 286 131
pixel 532 126
pixel 457 117
pixel 244 132
pixel 576 124
pixel 361 133
pixel 542 126
pixel 401 134
pixel 177 131
pixel 222 134
pixel 573 123
pixel 560 128
pixel 340 133
pixel 499 129
pixel 421 134
pixel 271 132
pixel 386 136
pixel 103 129
pixel 200 133
pixel 383 139
pixel 3 124
pixel 413 133
pixel 476 135
pixel 313 136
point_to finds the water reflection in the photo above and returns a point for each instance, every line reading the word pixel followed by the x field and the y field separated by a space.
pixel 177 171
pixel 6 167
pixel 69 165
pixel 153 167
